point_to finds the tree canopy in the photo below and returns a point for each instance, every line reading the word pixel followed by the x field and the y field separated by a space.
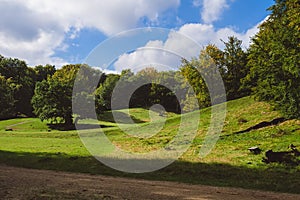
pixel 22 79
pixel 232 64
pixel 270 69
pixel 7 99
pixel 53 97
pixel 274 59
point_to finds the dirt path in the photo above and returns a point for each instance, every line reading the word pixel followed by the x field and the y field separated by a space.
pixel 19 183
pixel 20 123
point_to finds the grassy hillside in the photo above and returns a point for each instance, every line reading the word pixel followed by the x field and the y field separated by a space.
pixel 30 143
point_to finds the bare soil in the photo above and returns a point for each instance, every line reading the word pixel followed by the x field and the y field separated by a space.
pixel 19 183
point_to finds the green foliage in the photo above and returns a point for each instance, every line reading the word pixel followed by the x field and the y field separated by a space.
pixel 53 97
pixel 204 78
pixel 235 63
pixel 232 64
pixel 142 95
pixel 275 60
pixel 166 90
pixel 88 80
pixel 43 72
pixel 22 77
pixel 103 93
pixel 152 87
pixel 195 86
pixel 6 99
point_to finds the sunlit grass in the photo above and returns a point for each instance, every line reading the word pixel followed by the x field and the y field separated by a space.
pixel 30 136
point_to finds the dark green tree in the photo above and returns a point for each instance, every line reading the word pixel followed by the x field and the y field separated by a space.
pixel 88 80
pixel 235 63
pixel 166 90
pixel 275 59
pixel 42 72
pixel 23 79
pixel 6 99
pixel 103 93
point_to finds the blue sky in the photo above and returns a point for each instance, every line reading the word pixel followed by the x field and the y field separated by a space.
pixel 66 31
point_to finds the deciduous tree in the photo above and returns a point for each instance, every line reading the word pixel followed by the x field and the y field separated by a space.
pixel 53 97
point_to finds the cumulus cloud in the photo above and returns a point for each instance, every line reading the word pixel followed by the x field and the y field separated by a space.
pixel 154 54
pixel 108 16
pixel 182 44
pixel 212 10
pixel 34 29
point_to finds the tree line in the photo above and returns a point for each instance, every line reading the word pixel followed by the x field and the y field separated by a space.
pixel 268 69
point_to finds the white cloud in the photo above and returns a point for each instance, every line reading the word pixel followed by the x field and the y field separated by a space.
pixel 153 54
pixel 206 34
pixel 34 29
pixel 212 9
pixel 35 51
pixel 181 42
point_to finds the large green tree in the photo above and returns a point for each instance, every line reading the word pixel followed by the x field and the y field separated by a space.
pixel 275 59
pixel 53 97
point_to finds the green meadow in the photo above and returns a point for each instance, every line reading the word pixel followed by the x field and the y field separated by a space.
pixel 30 143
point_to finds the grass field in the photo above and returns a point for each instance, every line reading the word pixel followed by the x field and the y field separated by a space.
pixel 28 142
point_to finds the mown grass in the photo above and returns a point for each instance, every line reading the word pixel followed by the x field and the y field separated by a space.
pixel 32 144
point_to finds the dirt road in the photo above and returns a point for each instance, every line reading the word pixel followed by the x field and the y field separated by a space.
pixel 19 183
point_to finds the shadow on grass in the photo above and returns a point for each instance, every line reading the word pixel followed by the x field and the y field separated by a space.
pixel 123 118
pixel 263 125
pixel 272 177
pixel 63 127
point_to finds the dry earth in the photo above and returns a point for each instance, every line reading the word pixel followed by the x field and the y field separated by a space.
pixel 19 183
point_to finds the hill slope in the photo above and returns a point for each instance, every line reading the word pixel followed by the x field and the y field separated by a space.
pixel 30 143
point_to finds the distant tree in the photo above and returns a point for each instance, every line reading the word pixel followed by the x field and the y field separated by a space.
pixel 6 99
pixel 53 97
pixel 275 59
pixel 103 93
pixel 150 87
pixel 166 91
pixel 145 79
pixel 88 79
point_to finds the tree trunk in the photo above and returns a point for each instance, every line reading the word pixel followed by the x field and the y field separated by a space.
pixel 68 120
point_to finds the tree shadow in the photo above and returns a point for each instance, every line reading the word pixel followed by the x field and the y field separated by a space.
pixel 63 127
pixel 123 118
pixel 263 124
pixel 275 177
